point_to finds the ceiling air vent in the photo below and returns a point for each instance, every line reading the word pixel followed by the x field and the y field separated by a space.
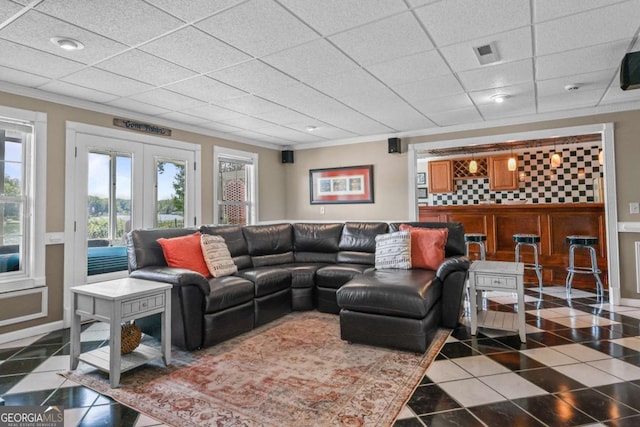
pixel 487 53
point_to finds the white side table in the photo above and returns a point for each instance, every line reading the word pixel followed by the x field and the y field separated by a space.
pixel 497 276
pixel 115 302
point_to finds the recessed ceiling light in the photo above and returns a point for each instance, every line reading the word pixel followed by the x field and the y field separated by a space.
pixel 499 97
pixel 572 87
pixel 311 128
pixel 66 43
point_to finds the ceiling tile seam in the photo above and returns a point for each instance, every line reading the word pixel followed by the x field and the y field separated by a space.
pixel 573 13
pixel 26 8
pixel 534 50
pixel 451 70
pixel 195 21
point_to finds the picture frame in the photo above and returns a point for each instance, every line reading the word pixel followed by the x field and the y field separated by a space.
pixel 422 193
pixel 350 184
pixel 421 178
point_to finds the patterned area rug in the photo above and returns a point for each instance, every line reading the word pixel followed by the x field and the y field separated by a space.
pixel 292 372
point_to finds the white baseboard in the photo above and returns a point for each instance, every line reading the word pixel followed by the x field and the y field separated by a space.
pixel 29 332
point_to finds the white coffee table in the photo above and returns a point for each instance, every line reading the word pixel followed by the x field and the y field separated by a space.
pixel 118 301
pixel 497 276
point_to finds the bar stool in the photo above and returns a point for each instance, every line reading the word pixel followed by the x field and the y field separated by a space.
pixel 587 242
pixel 529 240
pixel 478 239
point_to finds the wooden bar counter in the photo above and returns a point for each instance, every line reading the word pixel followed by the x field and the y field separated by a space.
pixel 552 222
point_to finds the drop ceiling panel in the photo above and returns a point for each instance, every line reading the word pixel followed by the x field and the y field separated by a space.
pixel 352 121
pixel 183 118
pixel 429 106
pixel 593 58
pixel 167 99
pixel 213 112
pixel 311 61
pixel 384 40
pixel 191 10
pixel 289 134
pixel 496 76
pixel 588 28
pixel 195 50
pixel 253 76
pixel 21 77
pixel 206 89
pixel 456 117
pixel 349 83
pixel 8 9
pixel 546 10
pixel 322 129
pixel 521 103
pixel 77 91
pixel 35 29
pixel 258 27
pixel 256 136
pixel 136 106
pixel 436 87
pixel 455 21
pixel 247 122
pixel 563 101
pixel 219 127
pixel 410 68
pixel 133 24
pixel 283 116
pixel 331 16
pixel 106 82
pixel 598 80
pixel 248 104
pixel 511 45
pixel 34 61
pixel 142 66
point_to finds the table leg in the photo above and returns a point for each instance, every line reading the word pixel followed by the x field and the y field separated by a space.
pixel 75 335
pixel 115 335
pixel 473 304
pixel 521 315
pixel 166 329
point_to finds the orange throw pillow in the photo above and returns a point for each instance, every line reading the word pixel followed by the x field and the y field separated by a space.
pixel 427 246
pixel 185 252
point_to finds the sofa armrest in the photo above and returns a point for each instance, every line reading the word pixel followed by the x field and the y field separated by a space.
pixel 174 276
pixel 451 264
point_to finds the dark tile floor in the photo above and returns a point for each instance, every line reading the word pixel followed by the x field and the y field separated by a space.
pixel 579 366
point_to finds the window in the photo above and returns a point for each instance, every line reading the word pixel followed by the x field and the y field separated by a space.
pixel 21 211
pixel 235 186
pixel 170 187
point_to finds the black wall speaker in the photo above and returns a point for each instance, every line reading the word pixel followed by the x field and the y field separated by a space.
pixel 630 71
pixel 287 156
pixel 394 145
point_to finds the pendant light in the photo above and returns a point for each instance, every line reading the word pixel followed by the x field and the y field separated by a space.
pixel 473 165
pixel 601 157
pixel 512 163
pixel 556 158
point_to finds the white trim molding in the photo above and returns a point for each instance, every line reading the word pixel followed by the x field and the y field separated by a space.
pixel 31 332
pixel 44 305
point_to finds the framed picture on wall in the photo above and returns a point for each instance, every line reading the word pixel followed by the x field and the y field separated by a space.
pixel 351 184
pixel 422 193
pixel 421 178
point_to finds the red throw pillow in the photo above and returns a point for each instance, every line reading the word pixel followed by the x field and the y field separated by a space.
pixel 185 252
pixel 427 246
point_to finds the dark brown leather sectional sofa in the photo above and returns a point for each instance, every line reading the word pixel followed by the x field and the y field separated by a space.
pixel 305 266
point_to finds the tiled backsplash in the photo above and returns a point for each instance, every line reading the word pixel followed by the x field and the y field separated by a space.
pixel 538 182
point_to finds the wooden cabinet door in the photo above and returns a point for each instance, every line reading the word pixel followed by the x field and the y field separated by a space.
pixel 500 177
pixel 441 176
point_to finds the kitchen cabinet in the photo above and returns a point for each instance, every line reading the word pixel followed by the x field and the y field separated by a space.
pixel 500 177
pixel 441 176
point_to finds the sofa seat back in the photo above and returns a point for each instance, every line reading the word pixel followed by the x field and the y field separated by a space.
pixel 358 242
pixel 234 238
pixel 143 249
pixel 269 244
pixel 316 243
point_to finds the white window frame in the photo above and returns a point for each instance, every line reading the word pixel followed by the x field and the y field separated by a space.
pixel 245 156
pixel 32 274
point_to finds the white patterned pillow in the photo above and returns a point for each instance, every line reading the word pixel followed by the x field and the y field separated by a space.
pixel 393 250
pixel 216 256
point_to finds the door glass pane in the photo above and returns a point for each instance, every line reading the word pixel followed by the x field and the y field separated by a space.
pixel 170 191
pixel 109 212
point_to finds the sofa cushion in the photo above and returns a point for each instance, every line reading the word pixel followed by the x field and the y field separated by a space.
pixel 228 291
pixel 268 239
pixel 267 280
pixel 316 242
pixel 216 256
pixel 403 293
pixel 234 238
pixel 303 274
pixel 455 240
pixel 427 246
pixel 334 276
pixel 361 236
pixel 393 250
pixel 184 252
pixel 143 249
